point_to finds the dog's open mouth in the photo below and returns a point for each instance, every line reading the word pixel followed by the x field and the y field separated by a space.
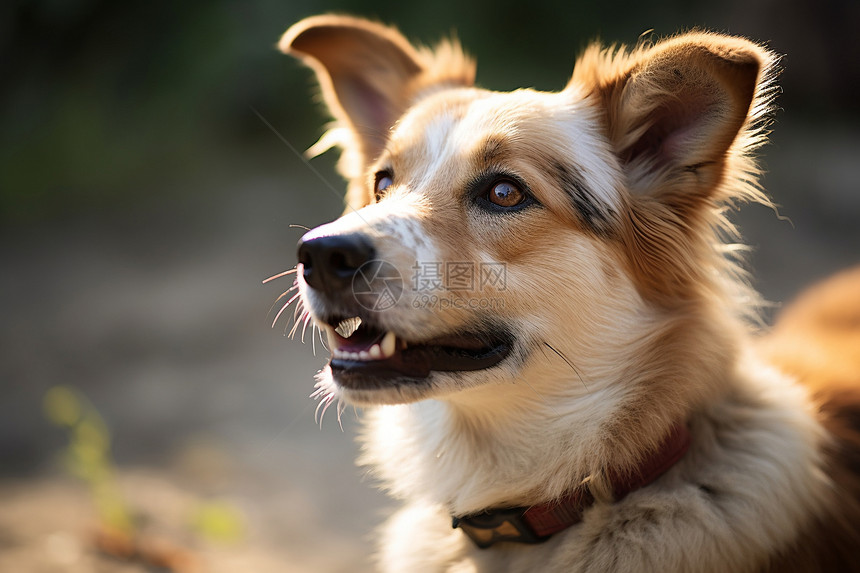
pixel 363 354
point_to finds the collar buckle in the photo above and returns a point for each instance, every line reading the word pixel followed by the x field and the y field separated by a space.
pixel 490 527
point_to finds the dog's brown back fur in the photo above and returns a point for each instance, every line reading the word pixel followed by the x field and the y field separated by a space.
pixel 817 340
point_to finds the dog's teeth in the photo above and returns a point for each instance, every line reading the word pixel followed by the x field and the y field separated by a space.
pixel 387 345
pixel 347 327
pixel 385 349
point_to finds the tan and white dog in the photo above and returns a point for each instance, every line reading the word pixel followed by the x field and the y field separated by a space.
pixel 533 295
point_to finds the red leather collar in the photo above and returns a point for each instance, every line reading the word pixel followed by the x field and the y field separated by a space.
pixel 537 523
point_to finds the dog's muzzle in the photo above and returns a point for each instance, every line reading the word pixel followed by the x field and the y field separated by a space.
pixel 353 291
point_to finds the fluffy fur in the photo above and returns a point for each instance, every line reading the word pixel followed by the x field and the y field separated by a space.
pixel 626 310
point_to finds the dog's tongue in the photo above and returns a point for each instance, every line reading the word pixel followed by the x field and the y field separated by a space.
pixel 359 341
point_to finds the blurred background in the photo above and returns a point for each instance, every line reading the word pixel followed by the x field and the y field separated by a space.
pixel 143 200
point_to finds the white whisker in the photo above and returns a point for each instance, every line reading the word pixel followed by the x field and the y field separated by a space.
pixel 283 274
pixel 327 401
pixel 281 297
pixel 305 325
pixel 313 339
pixel 285 293
pixel 319 391
pixel 340 408
pixel 322 340
pixel 296 325
pixel 283 308
pixel 322 402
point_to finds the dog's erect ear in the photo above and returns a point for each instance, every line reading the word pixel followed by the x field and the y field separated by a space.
pixel 369 75
pixel 674 111
pixel 364 69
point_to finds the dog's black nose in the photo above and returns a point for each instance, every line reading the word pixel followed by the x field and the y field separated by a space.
pixel 330 262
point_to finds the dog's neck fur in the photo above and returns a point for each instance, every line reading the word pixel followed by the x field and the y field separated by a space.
pixel 476 449
pixel 756 445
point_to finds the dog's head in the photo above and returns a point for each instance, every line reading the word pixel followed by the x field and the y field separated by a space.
pixel 491 237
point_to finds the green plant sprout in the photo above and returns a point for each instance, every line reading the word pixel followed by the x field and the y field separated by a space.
pixel 88 455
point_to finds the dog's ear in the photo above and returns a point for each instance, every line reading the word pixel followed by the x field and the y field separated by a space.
pixel 683 117
pixel 674 111
pixel 369 75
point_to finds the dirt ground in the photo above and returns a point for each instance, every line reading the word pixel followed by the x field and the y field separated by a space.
pixel 158 316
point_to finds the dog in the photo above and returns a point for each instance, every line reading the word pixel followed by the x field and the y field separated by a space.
pixel 536 298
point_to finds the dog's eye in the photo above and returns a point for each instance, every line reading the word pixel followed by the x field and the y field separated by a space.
pixel 506 194
pixel 500 193
pixel 383 182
